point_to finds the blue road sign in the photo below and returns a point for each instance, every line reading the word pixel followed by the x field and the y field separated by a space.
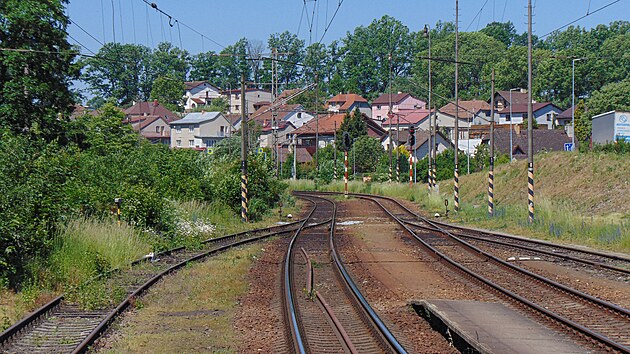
pixel 568 146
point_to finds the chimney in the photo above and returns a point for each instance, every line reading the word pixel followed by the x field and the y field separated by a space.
pixel 155 103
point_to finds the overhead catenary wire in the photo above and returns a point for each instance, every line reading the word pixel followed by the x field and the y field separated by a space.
pixel 477 15
pixel 580 18
pixel 86 32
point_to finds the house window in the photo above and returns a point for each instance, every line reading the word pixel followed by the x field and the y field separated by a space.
pixel 378 118
pixel 191 128
pixel 222 132
pixel 299 115
pixel 378 107
pixel 237 107
pixel 191 143
pixel 157 129
pixel 179 143
pixel 179 129
pixel 507 118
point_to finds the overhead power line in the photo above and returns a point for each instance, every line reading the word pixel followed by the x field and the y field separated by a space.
pixel 580 18
pixel 172 21
pixel 331 20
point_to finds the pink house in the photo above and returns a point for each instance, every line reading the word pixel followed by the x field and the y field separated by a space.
pixel 400 102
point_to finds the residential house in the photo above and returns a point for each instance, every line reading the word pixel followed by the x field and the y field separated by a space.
pixel 199 130
pixel 282 129
pixel 287 118
pixel 154 128
pixel 470 113
pixel 325 128
pixel 421 148
pixel 348 102
pixel 199 94
pixel 502 99
pixel 565 119
pixel 302 155
pixel 544 113
pixel 543 139
pixel 252 96
pixel 400 102
pixel 611 127
pixel 151 120
pixel 407 118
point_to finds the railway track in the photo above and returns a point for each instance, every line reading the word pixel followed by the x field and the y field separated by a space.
pixel 324 308
pixel 606 324
pixel 618 266
pixel 62 326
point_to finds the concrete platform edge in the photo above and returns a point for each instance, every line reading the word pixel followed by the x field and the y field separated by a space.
pixel 456 336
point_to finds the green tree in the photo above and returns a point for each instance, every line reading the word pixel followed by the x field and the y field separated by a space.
pixel 366 55
pixel 169 61
pixel 169 91
pixel 291 52
pixel 119 71
pixel 105 133
pixel 231 64
pixel 501 31
pixel 203 66
pixel 35 85
pixel 354 125
pixel 614 96
pixel 367 152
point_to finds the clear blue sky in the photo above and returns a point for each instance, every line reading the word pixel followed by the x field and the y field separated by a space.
pixel 227 21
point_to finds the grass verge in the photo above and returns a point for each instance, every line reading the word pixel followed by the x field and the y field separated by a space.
pixel 190 311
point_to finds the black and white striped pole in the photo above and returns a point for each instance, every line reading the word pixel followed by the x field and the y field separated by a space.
pixel 491 172
pixel 244 201
pixel 456 135
pixel 530 131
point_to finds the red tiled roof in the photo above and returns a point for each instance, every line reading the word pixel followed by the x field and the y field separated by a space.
pixel 246 90
pixel 346 100
pixel 384 98
pixel 408 117
pixel 326 125
pixel 465 107
pixel 152 109
pixel 198 100
pixel 265 114
pixel 286 93
pixel 302 155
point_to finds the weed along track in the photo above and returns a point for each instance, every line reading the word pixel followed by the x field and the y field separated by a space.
pixel 590 319
pixel 69 324
pixel 323 307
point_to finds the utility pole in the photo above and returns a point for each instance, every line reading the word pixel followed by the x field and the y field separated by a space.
pixel 491 173
pixel 274 113
pixel 335 153
pixel 427 33
pixel 390 115
pixel 316 123
pixel 244 201
pixel 530 130
pixel 456 171
pixel 294 158
pixel 397 148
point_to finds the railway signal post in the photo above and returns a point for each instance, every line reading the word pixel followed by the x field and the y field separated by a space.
pixel 244 201
pixel 346 147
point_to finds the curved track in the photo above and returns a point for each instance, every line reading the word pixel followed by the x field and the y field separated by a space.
pixel 325 310
pixel 64 327
pixel 606 324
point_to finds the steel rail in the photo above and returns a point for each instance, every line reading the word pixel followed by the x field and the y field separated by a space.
pixel 40 313
pixel 569 323
pixel 299 344
pixel 382 328
pixel 527 248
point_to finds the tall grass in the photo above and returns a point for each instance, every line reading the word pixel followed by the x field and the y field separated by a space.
pixel 555 220
pixel 85 248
